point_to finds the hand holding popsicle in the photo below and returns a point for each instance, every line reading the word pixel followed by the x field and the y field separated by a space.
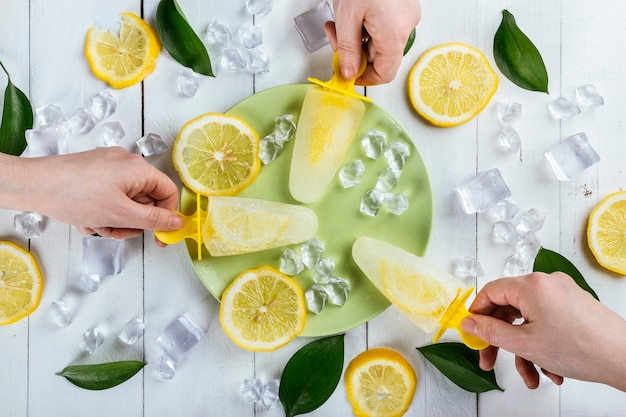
pixel 566 331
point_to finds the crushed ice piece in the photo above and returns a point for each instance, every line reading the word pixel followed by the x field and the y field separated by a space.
pixel 61 314
pixel 291 263
pixel 92 339
pixel 562 108
pixel 509 138
pixel 387 179
pixel 112 133
pixel 50 115
pixel 218 34
pixel 284 127
pixel 504 210
pixel 323 270
pixel 259 7
pixel 250 35
pixel 316 298
pixel 467 267
pixel 165 369
pixel 350 175
pixel 132 331
pixel 371 202
pixel 531 221
pixel 270 148
pixel 483 191
pixel 82 122
pixel 509 111
pixel 233 60
pixel 103 105
pixel 258 62
pixel 396 153
pixel 312 252
pixel 515 265
pixel 151 144
pixel 506 231
pixel 589 96
pixel 28 224
pixel 338 290
pixel 396 203
pixel 373 143
pixel 528 246
pixel 188 82
pixel 88 282
pixel 256 391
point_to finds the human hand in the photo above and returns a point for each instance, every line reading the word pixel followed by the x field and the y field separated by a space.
pixel 388 24
pixel 565 331
pixel 108 191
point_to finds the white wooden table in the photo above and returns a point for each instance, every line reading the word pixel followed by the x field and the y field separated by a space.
pixel 41 44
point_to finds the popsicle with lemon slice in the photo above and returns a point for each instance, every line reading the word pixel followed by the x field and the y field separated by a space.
pixel 237 225
pixel 330 116
pixel 430 297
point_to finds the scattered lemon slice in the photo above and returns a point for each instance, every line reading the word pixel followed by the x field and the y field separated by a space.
pixel 124 59
pixel 262 310
pixel 20 283
pixel 216 154
pixel 380 383
pixel 451 83
pixel 606 232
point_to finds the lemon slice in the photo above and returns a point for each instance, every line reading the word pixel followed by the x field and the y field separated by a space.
pixel 20 283
pixel 606 232
pixel 380 383
pixel 217 154
pixel 451 83
pixel 262 310
pixel 124 59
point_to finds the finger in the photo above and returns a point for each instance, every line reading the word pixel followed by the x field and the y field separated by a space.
pixel 383 68
pixel 557 379
pixel 527 371
pixel 329 28
pixel 348 30
pixel 501 292
pixel 123 233
pixel 149 217
pixel 85 230
pixel 497 332
pixel 488 358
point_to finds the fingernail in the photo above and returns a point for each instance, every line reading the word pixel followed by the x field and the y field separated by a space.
pixel 176 222
pixel 468 325
pixel 347 71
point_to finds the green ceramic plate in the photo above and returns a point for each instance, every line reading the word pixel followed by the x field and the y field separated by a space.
pixel 340 221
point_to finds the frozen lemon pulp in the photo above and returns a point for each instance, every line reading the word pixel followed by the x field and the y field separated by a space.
pixel 21 283
pixel 380 383
pixel 606 232
pixel 236 225
pixel 328 122
pixel 262 310
pixel 408 281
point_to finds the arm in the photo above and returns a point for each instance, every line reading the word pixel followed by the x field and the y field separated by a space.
pixel 107 190
pixel 388 24
pixel 565 331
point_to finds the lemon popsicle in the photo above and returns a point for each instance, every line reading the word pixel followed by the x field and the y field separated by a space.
pixel 430 297
pixel 329 119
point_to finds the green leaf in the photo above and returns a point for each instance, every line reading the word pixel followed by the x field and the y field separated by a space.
pixel 101 376
pixel 549 261
pixel 517 57
pixel 409 42
pixel 17 118
pixel 460 365
pixel 180 40
pixel 311 375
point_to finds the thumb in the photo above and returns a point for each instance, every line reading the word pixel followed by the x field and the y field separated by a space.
pixel 155 218
pixel 494 331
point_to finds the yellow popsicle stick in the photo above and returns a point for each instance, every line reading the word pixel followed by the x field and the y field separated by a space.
pixel 337 83
pixel 452 319
pixel 192 228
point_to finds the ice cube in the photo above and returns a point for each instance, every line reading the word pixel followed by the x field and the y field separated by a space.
pixel 396 203
pixel 188 82
pixel 233 60
pixel 509 111
pixel 316 298
pixel 562 108
pixel 151 144
pixel 467 267
pixel 112 133
pixel 510 139
pixel 218 34
pixel 572 156
pixel 132 331
pixel 310 26
pixel 165 369
pixel 505 231
pixel 531 221
pixel 323 270
pixel 270 397
pixel 92 339
pixel 102 256
pixel 515 265
pixel 387 179
pixel 291 263
pixel 28 224
pixel 103 105
pixel 252 389
pixel 504 210
pixel 371 202
pixel 88 282
pixel 179 337
pixel 483 191
pixel 374 143
pixel 50 115
pixel 396 154
pixel 259 7
pixel 589 96
pixel 49 140
pixel 82 122
pixel 528 246
pixel 284 127
pixel 338 290
pixel 250 35
pixel 312 252
pixel 351 174
pixel 270 148
pixel 258 62
pixel 61 314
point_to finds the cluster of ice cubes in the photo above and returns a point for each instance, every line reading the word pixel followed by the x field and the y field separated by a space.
pixel 585 96
pixel 509 112
pixel 94 337
pixel 241 52
pixel 271 146
pixel 265 394
pixel 350 175
pixel 327 287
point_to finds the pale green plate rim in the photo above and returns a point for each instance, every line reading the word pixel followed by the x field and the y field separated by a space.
pixel 340 221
